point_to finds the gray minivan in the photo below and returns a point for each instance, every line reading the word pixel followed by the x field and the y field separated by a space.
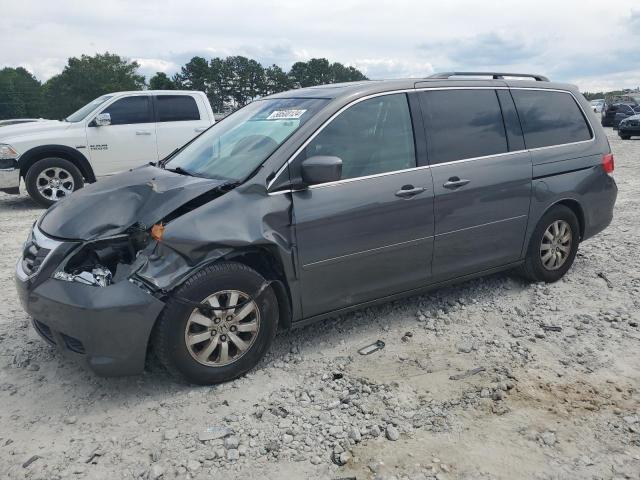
pixel 312 202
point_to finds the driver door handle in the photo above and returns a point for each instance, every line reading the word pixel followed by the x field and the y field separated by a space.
pixel 455 182
pixel 409 191
pixel 143 132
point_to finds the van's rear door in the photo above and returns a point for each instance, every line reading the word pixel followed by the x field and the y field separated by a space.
pixel 482 179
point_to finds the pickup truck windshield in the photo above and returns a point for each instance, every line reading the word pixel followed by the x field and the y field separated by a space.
pixel 79 115
pixel 236 146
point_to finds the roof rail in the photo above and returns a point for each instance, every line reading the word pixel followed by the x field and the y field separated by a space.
pixel 495 75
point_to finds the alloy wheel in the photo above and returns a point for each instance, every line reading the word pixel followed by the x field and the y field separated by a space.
pixel 55 183
pixel 556 243
pixel 226 335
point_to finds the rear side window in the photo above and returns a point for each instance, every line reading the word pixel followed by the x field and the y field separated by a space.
pixel 130 110
pixel 550 118
pixel 463 124
pixel 177 108
pixel 373 136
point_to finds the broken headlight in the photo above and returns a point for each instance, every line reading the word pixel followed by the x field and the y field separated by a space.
pixel 102 262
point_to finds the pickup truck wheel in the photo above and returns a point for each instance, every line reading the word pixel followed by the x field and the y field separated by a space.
pixel 553 245
pixel 52 179
pixel 625 137
pixel 207 347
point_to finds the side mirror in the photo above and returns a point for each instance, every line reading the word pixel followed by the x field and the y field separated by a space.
pixel 321 169
pixel 102 119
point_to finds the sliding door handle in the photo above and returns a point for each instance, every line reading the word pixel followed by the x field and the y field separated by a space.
pixel 409 191
pixel 455 182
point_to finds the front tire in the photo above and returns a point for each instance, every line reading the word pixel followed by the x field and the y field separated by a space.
pixel 223 344
pixel 553 245
pixel 52 179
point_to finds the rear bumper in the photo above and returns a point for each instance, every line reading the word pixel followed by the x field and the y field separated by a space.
pixel 10 179
pixel 110 326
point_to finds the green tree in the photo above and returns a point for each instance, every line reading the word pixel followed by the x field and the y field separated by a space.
pixel 247 79
pixel 318 71
pixel 20 94
pixel 195 75
pixel 276 80
pixel 221 77
pixel 86 78
pixel 160 81
pixel 340 73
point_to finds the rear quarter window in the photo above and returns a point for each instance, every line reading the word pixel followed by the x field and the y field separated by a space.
pixel 550 118
pixel 177 108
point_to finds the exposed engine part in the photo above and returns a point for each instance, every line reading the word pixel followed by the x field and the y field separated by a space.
pixel 98 276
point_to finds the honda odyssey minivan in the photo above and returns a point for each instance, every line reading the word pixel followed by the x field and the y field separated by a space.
pixel 309 203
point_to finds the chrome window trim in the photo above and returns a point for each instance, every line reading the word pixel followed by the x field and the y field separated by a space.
pixel 423 89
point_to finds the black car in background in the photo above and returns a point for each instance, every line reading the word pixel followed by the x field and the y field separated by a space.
pixel 629 127
pixel 615 109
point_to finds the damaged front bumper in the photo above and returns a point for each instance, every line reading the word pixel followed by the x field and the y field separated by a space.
pixel 110 325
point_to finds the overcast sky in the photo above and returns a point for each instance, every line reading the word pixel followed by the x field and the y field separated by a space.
pixel 593 43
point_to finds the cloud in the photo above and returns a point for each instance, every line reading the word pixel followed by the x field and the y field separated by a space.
pixel 485 50
pixel 571 40
pixel 377 68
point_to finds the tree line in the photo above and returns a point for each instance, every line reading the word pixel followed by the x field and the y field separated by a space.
pixel 229 82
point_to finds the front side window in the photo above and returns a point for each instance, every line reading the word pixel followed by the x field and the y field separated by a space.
pixel 550 118
pixel 176 108
pixel 235 147
pixel 130 110
pixel 87 109
pixel 374 136
pixel 463 124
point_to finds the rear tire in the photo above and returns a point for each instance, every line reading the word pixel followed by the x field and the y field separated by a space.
pixel 553 245
pixel 209 349
pixel 52 179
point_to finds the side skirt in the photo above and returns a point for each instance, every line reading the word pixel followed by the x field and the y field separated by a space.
pixel 389 298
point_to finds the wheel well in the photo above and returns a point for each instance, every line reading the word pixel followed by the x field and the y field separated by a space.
pixel 68 153
pixel 267 265
pixel 577 210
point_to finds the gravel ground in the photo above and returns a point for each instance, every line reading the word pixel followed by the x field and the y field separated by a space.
pixel 544 405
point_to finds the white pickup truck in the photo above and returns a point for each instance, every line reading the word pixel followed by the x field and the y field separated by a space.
pixel 114 132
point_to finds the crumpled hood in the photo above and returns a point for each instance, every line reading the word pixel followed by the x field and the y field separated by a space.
pixel 21 129
pixel 144 195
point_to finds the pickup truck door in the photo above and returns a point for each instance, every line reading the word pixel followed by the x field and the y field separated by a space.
pixel 130 140
pixel 179 119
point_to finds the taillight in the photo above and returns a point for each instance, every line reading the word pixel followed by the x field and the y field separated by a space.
pixel 607 162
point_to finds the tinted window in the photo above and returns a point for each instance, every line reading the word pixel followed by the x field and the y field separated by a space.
pixel 373 136
pixel 463 124
pixel 550 118
pixel 176 108
pixel 130 110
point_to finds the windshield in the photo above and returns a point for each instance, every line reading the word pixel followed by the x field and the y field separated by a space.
pixel 87 109
pixel 236 146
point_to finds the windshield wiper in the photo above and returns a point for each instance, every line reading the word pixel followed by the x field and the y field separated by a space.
pixel 180 171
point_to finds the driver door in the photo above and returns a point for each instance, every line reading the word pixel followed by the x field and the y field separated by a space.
pixel 130 140
pixel 369 235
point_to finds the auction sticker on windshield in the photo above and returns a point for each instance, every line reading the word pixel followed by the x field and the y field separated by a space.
pixel 285 114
